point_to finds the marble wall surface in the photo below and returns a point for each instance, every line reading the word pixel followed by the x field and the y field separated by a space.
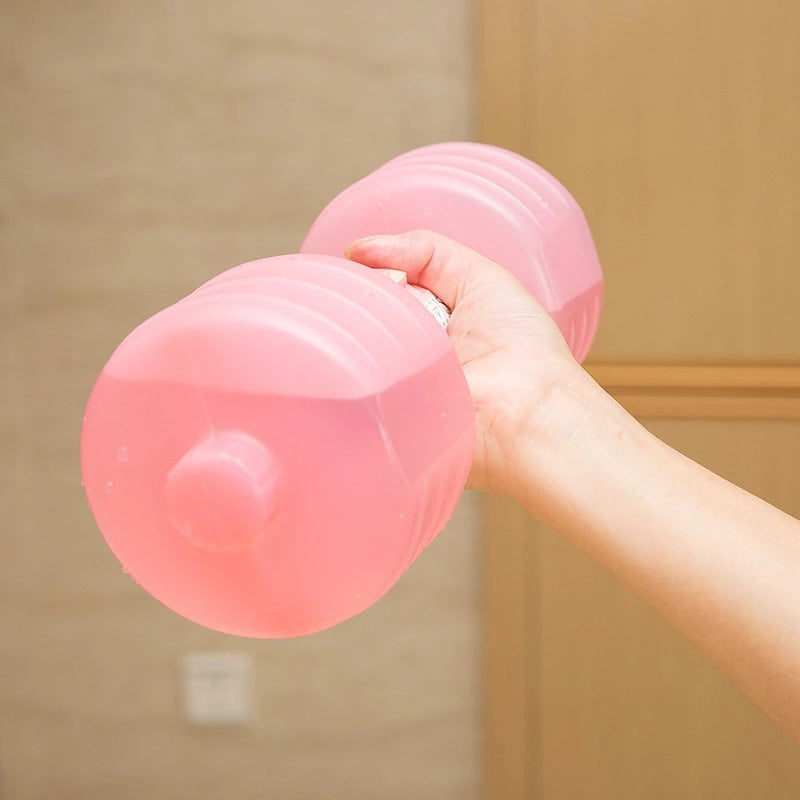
pixel 144 147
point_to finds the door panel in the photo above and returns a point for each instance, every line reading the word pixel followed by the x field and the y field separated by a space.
pixel 627 708
pixel 676 125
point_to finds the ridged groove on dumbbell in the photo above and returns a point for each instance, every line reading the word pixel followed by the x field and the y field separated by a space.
pixel 312 296
pixel 516 163
pixel 541 211
pixel 356 280
pixel 396 201
pixel 337 342
pixel 431 509
pixel 390 311
pixel 498 176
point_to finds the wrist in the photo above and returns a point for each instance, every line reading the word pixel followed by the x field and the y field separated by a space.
pixel 562 443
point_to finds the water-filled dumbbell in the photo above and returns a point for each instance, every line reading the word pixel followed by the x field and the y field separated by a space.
pixel 267 456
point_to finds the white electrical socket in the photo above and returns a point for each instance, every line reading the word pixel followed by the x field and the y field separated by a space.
pixel 217 688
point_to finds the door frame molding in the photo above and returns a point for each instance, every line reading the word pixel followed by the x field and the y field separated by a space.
pixel 703 391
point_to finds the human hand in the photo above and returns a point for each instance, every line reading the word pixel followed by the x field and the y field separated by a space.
pixel 720 564
pixel 512 353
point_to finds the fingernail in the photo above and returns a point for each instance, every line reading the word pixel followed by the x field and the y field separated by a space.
pixel 397 275
pixel 363 240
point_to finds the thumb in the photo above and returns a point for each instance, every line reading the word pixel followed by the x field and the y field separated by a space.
pixel 448 269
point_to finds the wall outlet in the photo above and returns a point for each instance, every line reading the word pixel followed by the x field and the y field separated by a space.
pixel 217 688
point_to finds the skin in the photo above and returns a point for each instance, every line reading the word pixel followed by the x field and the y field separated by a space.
pixel 720 564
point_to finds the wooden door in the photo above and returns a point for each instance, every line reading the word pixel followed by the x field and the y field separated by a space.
pixel 676 124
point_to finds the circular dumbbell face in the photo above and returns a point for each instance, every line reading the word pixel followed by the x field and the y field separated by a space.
pixel 269 454
pixel 496 203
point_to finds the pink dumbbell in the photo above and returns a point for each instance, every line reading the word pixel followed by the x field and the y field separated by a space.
pixel 267 456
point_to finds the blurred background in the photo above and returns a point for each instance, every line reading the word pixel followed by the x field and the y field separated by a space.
pixel 147 146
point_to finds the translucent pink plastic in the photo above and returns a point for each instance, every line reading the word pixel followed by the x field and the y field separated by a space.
pixel 268 455
pixel 496 202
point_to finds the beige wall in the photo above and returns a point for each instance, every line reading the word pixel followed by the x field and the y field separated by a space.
pixel 146 146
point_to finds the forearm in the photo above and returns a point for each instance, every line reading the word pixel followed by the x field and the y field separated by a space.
pixel 718 563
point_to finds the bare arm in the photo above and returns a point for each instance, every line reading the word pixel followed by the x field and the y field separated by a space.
pixel 720 564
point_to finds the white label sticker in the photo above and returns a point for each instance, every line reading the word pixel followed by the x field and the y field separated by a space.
pixel 432 304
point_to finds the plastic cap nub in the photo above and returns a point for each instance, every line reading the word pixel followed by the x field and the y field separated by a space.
pixel 222 493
